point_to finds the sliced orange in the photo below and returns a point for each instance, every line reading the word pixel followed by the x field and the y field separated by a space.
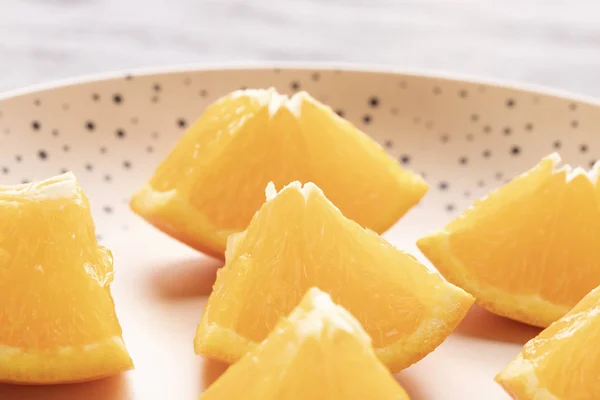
pixel 529 250
pixel 57 317
pixel 563 362
pixel 298 240
pixel 319 352
pixel 212 183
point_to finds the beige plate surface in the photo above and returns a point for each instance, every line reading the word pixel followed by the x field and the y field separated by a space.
pixel 464 137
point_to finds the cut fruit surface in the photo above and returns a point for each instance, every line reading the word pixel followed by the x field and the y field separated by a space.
pixel 212 183
pixel 563 361
pixel 529 250
pixel 319 352
pixel 57 319
pixel 298 240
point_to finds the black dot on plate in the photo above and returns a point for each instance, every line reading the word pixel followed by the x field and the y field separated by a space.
pixel 574 123
pixel 90 125
pixel 107 178
pixel 64 170
pixel 405 159
pixel 480 183
pixel 120 133
pixel 463 160
pixel 487 153
pixel 437 90
pixel 444 138
pixel 89 167
pixel 243 87
pixel 388 144
pixel 126 164
pixel 573 106
pixel 449 207
pixel 37 102
pixel 66 147
pixel 35 125
pixel 557 144
pixel 18 158
pixel 25 181
pixel 529 126
pixel 487 129
pixel 315 76
pixel 510 103
pixel 95 97
pixel 499 176
pixel 295 85
pixel 107 209
pixel 128 77
pixel 55 132
pixel 463 93
pixel 592 163
pixel 340 112
pixel 469 137
pixel 507 131
pixel 154 99
pixel 515 150
pixel 203 93
pixel 394 111
pixel 42 154
pixel 474 117
pixel 149 149
pixel 583 148
pixel 443 185
pixel 403 84
pixel 5 170
pixel 181 123
pixel 117 98
pixel 367 119
pixel 374 102
pixel 156 87
pixel 103 150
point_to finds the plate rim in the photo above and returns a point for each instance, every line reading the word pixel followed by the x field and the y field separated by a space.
pixel 308 66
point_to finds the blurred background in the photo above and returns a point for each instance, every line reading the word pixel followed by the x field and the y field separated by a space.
pixel 548 42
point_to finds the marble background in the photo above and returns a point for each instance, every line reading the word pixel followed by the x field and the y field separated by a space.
pixel 549 42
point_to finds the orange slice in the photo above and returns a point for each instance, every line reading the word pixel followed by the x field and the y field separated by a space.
pixel 57 319
pixel 319 352
pixel 212 183
pixel 298 240
pixel 563 362
pixel 529 250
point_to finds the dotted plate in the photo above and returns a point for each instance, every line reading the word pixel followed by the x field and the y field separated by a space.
pixel 464 137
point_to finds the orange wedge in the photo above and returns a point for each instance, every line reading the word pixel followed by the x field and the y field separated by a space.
pixel 563 362
pixel 212 183
pixel 529 250
pixel 298 240
pixel 319 352
pixel 57 317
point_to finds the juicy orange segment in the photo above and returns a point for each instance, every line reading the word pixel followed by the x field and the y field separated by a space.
pixel 319 351
pixel 298 240
pixel 212 183
pixel 57 319
pixel 562 362
pixel 529 250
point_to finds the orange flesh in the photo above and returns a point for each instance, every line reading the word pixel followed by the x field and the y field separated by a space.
pixel 217 172
pixel 536 237
pixel 54 278
pixel 316 353
pixel 564 358
pixel 295 243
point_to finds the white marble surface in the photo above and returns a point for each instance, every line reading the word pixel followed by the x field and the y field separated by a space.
pixel 548 42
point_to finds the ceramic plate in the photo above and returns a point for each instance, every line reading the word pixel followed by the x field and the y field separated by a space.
pixel 464 137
